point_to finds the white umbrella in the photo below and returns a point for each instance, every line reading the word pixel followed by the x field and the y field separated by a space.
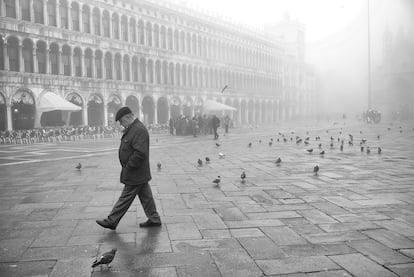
pixel 211 106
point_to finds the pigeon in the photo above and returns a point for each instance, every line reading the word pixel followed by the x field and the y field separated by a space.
pixel 368 150
pixel 378 137
pixel 285 139
pixel 243 176
pixel 200 162
pixel 221 155
pixel 379 150
pixel 341 147
pixel 278 161
pixel 322 153
pixel 306 142
pixel 217 180
pixel 331 144
pixel 389 129
pixel 363 140
pixel 105 258
pixel 310 150
pixel 260 141
pixel 207 160
pixel 250 144
pixel 350 143
pixel 270 143
pixel 316 170
pixel 79 166
pixel 159 166
pixel 362 148
pixel 278 140
pixel 320 145
pixel 217 144
pixel 224 88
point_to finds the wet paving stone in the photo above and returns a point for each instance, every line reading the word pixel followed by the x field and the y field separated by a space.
pixel 356 218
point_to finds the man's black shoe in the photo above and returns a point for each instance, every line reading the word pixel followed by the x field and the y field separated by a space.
pixel 149 223
pixel 105 224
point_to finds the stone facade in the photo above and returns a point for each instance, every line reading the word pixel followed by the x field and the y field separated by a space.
pixel 160 59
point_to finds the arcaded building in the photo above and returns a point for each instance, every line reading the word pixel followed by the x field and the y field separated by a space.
pixel 160 59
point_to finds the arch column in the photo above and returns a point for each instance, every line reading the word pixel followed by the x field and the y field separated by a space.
pixel 2 8
pixel 6 58
pixel 93 67
pixel 35 65
pixel 72 68
pixel 82 64
pixel 9 118
pixel 105 120
pixel 69 9
pixel 32 19
pixel 57 12
pixel 85 114
pixel 18 13
pixel 21 61
pixel 155 113
pixel 45 13
pixel 47 53
pixel 113 67
pixel 61 71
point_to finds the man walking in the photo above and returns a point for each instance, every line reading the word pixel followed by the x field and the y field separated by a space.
pixel 135 173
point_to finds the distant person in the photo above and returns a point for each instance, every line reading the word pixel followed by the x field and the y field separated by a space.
pixel 135 173
pixel 226 123
pixel 215 123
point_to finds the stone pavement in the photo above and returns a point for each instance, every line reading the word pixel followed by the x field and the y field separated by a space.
pixel 355 218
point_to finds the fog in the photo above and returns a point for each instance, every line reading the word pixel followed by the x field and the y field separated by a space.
pixel 341 60
pixel 336 39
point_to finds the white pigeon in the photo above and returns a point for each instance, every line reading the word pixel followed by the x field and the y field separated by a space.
pixel 221 155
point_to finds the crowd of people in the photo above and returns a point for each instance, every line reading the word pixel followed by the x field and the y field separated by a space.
pixel 53 134
pixel 180 126
pixel 198 125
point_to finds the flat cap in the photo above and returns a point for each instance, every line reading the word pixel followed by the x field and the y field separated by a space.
pixel 121 112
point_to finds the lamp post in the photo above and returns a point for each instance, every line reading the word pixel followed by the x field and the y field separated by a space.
pixel 369 59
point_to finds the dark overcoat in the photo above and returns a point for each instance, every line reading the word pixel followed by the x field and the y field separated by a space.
pixel 134 155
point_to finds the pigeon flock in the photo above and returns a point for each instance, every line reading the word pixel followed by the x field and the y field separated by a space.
pixel 287 139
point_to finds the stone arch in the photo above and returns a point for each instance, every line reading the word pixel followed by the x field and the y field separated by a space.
pixel 188 106
pixel 250 109
pixel 114 104
pixel 175 107
pixel 95 110
pixel 23 108
pixel 133 103
pixel 257 112
pixel 148 109
pixel 243 112
pixel 162 110
pixel 75 118
pixel 198 105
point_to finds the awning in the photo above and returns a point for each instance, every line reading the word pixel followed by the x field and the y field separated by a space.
pixel 211 105
pixel 51 102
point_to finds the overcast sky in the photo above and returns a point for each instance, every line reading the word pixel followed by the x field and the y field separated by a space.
pixel 321 17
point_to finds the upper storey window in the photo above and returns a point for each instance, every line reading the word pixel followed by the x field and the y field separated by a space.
pixel 10 8
pixel 25 7
pixel 51 11
pixel 75 16
pixel 86 19
pixel 105 23
pixel 38 11
pixel 96 22
pixel 63 10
